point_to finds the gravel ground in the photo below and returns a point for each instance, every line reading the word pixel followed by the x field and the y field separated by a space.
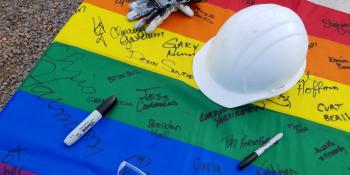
pixel 27 27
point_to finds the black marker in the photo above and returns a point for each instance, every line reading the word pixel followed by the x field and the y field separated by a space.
pixel 89 121
pixel 248 160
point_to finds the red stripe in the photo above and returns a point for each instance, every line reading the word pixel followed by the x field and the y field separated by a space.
pixel 325 22
pixel 6 169
pixel 319 20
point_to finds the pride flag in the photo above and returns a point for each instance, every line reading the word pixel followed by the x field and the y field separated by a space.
pixel 163 124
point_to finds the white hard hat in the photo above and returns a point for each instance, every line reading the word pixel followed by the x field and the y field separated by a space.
pixel 259 53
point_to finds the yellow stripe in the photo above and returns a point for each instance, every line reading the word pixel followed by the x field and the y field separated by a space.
pixel 313 98
pixel 117 39
pixel 316 99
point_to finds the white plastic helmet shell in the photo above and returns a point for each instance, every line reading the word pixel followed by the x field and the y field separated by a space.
pixel 259 53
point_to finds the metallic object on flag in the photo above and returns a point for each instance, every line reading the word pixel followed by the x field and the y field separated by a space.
pixel 157 11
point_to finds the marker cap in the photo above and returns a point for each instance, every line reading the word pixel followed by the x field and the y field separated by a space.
pixel 106 105
pixel 248 160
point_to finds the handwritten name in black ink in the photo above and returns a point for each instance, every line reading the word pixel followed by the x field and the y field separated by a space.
pixel 203 15
pixel 96 100
pixel 342 28
pixel 248 2
pixel 178 48
pixel 224 115
pixel 169 66
pixel 123 75
pixel 312 45
pixel 127 37
pixel 275 170
pixel 81 9
pixel 163 129
pixel 332 112
pixel 248 142
pixel 92 143
pixel 329 150
pixel 13 154
pixel 340 62
pixel 168 125
pixel 60 71
pixel 10 170
pixel 307 86
pixel 161 134
pixel 141 58
pixel 281 100
pixel 208 167
pixel 231 142
pixel 321 107
pixel 344 117
pixel 121 3
pixel 152 100
pixel 99 31
pixel 299 128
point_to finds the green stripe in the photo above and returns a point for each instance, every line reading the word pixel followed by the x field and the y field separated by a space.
pixel 81 79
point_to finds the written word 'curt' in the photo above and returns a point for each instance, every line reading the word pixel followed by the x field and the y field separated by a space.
pixel 128 36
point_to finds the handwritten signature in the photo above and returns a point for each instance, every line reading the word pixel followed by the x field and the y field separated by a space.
pixel 13 154
pixel 61 71
pixel 141 58
pixel 152 100
pixel 298 127
pixel 81 9
pixel 248 2
pixel 244 142
pixel 281 100
pixel 274 170
pixel 312 45
pixel 122 2
pixel 203 15
pixel 206 166
pixel 339 62
pixel 329 149
pixel 97 100
pixel 342 28
pixel 123 75
pixel 129 36
pixel 169 66
pixel 314 88
pixel 10 156
pixel 62 116
pixel 99 30
pixel 224 115
pixel 177 47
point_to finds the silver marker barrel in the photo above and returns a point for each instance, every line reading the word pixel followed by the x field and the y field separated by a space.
pixel 249 159
pixel 89 121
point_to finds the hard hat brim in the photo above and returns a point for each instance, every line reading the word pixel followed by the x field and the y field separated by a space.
pixel 222 96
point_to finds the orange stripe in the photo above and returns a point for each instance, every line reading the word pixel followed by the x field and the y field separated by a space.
pixel 202 28
pixel 329 60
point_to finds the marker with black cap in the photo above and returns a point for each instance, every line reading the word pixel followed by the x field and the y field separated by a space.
pixel 248 160
pixel 90 121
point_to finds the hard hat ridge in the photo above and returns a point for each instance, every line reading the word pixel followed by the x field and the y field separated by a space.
pixel 259 53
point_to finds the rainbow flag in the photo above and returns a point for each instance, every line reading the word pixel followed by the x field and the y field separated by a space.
pixel 163 124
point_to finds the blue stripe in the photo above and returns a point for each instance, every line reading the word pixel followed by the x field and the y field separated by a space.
pixel 32 132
